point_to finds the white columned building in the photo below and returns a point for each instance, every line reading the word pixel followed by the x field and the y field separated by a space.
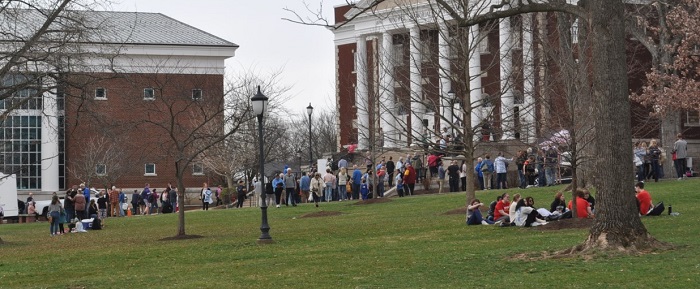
pixel 446 101
pixel 506 64
pixel 477 114
pixel 528 108
pixel 387 104
pixel 362 93
pixel 416 61
pixel 49 143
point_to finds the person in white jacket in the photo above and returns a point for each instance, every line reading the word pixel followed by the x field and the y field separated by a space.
pixel 526 214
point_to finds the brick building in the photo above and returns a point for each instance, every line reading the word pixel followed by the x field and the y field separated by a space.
pixel 148 71
pixel 398 70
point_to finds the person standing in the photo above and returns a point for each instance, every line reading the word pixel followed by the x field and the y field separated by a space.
pixel 30 199
pixel 409 179
pixel 329 180
pixel 290 184
pixel 441 177
pixel 122 201
pixel 80 206
pixel 240 194
pixel 500 163
pixel 519 163
pixel 278 187
pixel 381 175
pixel 102 205
pixel 172 198
pixel 342 184
pixel 417 163
pixel 487 171
pixel 305 187
pixel 69 202
pixel 206 197
pixel 135 203
pixel 655 153
pixel 399 184
pixel 114 201
pixel 463 175
pixel 453 174
pixel 479 173
pixel 356 182
pixel 54 212
pixel 316 188
pixel 680 148
pixel 146 199
pixel 390 167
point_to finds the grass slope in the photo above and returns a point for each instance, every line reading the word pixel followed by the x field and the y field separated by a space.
pixel 405 243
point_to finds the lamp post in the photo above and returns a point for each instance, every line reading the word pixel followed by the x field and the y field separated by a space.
pixel 259 102
pixel 310 110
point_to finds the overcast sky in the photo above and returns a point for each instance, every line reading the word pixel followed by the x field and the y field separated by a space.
pixel 267 43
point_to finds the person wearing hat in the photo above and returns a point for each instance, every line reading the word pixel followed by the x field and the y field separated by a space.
pixel 240 194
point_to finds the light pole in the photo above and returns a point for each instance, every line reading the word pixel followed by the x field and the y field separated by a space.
pixel 259 102
pixel 310 110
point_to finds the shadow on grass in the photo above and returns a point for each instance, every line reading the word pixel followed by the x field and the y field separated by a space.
pixel 321 214
pixel 372 201
pixel 181 237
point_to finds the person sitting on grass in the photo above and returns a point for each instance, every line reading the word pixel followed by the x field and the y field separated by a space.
pixel 474 214
pixel 526 215
pixel 511 208
pixel 644 203
pixel 500 214
pixel 583 209
pixel 492 208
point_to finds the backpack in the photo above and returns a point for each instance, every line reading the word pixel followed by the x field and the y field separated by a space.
pixel 484 166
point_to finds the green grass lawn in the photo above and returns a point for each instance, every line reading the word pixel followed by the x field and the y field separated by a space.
pixel 406 243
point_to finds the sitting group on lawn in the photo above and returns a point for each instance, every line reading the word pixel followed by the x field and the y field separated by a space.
pixel 522 212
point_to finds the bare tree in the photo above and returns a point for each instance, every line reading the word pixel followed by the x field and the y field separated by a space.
pixel 617 226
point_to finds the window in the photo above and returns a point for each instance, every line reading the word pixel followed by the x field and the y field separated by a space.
pixel 197 94
pixel 148 93
pixel 692 118
pixel 100 93
pixel 397 54
pixel 101 169
pixel 150 169
pixel 197 169
pixel 483 41
pixel 425 51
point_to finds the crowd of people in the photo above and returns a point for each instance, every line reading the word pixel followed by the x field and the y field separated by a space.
pixel 649 159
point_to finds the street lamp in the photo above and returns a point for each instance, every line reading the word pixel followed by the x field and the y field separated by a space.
pixel 259 102
pixel 310 110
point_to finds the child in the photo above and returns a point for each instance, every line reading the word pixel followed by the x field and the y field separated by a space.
pixel 364 189
pixel 399 184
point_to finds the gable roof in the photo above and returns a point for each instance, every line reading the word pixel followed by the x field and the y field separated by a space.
pixel 151 28
pixel 107 27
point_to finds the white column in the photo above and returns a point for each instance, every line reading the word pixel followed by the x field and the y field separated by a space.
pixel 362 93
pixel 528 110
pixel 445 81
pixel 475 81
pixel 506 61
pixel 387 111
pixel 416 87
pixel 49 143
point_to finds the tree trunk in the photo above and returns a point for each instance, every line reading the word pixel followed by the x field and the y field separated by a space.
pixel 670 126
pixel 617 224
pixel 180 203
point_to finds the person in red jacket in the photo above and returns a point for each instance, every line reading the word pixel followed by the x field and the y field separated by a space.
pixel 583 208
pixel 500 213
pixel 409 178
pixel 643 199
pixel 433 160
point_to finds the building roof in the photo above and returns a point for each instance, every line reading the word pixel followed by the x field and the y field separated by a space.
pixel 107 27
pixel 152 28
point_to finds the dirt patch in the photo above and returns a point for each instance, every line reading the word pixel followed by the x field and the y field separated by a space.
pixel 181 237
pixel 321 214
pixel 574 223
pixel 458 211
pixel 373 201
